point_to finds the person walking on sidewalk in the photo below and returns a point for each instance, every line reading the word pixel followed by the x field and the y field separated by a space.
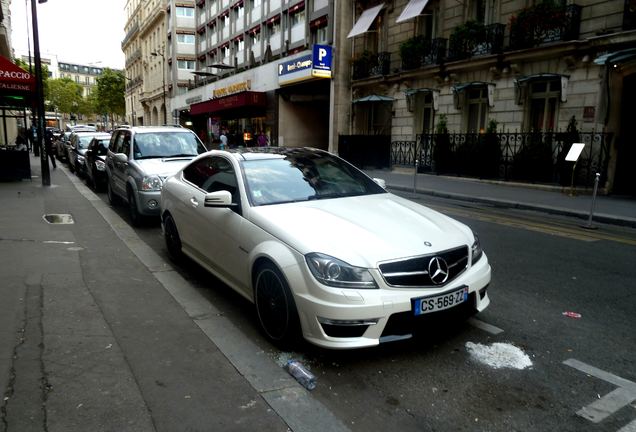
pixel 48 144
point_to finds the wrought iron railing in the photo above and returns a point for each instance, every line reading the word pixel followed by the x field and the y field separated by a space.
pixel 544 23
pixel 537 157
pixel 418 51
pixel 371 64
pixel 475 40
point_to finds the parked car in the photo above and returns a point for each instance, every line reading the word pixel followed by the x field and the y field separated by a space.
pixel 321 249
pixel 62 145
pixel 77 149
pixel 96 162
pixel 138 161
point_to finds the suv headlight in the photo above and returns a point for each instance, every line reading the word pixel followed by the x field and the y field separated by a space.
pixel 475 250
pixel 334 272
pixel 100 165
pixel 151 183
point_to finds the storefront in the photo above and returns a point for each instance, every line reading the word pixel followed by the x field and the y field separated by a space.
pixel 17 87
pixel 236 111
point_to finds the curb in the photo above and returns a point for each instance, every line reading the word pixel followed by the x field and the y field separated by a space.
pixel 560 211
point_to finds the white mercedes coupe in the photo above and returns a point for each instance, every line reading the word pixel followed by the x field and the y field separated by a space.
pixel 322 250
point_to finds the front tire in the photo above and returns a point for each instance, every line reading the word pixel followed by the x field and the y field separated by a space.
pixel 173 240
pixel 275 306
pixel 135 216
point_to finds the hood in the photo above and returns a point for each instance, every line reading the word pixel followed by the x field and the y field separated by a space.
pixel 162 167
pixel 362 231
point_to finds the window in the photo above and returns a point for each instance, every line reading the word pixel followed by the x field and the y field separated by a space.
pixel 477 101
pixel 544 97
pixel 298 18
pixel 185 38
pixel 213 174
pixel 185 12
pixel 375 38
pixel 186 64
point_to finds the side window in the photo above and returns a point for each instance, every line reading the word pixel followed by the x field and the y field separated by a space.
pixel 125 144
pixel 213 174
pixel 115 143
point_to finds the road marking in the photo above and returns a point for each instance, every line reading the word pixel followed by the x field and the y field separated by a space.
pixel 629 427
pixel 484 326
pixel 611 402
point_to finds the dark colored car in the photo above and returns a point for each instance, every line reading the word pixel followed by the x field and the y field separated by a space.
pixel 77 150
pixel 95 158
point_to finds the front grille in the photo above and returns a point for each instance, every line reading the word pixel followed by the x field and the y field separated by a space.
pixel 413 272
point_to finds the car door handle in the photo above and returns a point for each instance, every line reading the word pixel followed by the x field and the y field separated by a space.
pixel 194 202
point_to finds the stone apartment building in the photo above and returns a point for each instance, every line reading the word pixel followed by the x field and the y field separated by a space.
pixel 529 72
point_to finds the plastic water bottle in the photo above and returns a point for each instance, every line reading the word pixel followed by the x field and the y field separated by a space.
pixel 302 375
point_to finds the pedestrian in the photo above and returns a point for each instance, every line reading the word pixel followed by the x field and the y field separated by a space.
pixel 223 139
pixel 262 139
pixel 48 144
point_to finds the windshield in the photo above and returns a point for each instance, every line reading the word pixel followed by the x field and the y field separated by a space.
pixel 304 177
pixel 84 140
pixel 166 144
pixel 102 146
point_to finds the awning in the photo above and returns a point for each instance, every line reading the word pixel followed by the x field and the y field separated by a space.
pixel 459 92
pixel 410 93
pixel 521 85
pixel 244 101
pixel 413 9
pixel 364 22
pixel 14 78
pixel 616 57
pixel 373 98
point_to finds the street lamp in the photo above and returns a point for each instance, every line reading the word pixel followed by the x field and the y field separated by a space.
pixel 39 95
pixel 163 71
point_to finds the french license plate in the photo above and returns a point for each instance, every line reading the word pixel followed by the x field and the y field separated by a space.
pixel 424 305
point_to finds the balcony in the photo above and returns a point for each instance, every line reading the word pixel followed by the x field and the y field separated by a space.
pixel 419 51
pixel 474 39
pixel 371 65
pixel 544 23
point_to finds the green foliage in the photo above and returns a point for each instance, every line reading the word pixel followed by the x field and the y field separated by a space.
pixel 470 30
pixel 111 87
pixel 65 95
pixel 412 50
pixel 45 74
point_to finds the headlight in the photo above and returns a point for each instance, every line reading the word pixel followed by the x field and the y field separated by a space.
pixel 80 159
pixel 475 250
pixel 100 165
pixel 151 183
pixel 333 272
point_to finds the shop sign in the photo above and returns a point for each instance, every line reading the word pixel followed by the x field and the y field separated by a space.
pixel 232 89
pixel 314 65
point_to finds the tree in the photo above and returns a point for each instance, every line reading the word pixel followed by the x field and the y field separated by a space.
pixel 65 94
pixel 111 86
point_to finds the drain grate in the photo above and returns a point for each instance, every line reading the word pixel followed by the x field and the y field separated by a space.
pixel 64 219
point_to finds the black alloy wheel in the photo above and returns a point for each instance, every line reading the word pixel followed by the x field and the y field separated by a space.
pixel 275 306
pixel 171 235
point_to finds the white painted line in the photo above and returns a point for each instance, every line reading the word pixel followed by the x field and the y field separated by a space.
pixel 484 326
pixel 600 409
pixel 601 374
pixel 611 402
pixel 631 427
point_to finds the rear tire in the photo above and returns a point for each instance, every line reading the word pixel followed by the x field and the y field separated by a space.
pixel 275 306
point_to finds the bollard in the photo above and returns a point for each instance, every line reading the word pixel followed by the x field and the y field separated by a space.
pixel 589 220
pixel 415 177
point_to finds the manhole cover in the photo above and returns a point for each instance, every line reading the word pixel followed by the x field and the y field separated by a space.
pixel 59 218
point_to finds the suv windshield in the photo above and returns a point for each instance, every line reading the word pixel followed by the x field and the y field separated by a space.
pixel 303 177
pixel 166 144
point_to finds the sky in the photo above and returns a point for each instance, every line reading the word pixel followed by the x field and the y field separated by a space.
pixel 76 31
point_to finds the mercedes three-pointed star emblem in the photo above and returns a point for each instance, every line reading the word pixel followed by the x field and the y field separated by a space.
pixel 438 270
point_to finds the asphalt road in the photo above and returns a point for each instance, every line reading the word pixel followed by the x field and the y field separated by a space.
pixel 581 377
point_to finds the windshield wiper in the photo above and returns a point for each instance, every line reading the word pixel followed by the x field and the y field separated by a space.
pixel 179 155
pixel 334 195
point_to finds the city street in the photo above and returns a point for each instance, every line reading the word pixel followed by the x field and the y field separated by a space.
pixel 542 266
pixel 114 339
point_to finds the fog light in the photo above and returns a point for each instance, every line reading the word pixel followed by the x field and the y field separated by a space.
pixel 346 328
pixel 153 204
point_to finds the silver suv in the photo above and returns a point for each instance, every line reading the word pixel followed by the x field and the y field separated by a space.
pixel 138 161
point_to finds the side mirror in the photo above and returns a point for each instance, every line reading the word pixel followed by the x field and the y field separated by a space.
pixel 218 199
pixel 121 157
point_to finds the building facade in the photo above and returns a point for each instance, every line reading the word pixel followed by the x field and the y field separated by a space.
pixel 515 81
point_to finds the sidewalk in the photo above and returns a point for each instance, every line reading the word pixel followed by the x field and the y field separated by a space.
pixel 98 332
pixel 608 209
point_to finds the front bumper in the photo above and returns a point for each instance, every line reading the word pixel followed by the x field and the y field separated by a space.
pixel 345 318
pixel 148 202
